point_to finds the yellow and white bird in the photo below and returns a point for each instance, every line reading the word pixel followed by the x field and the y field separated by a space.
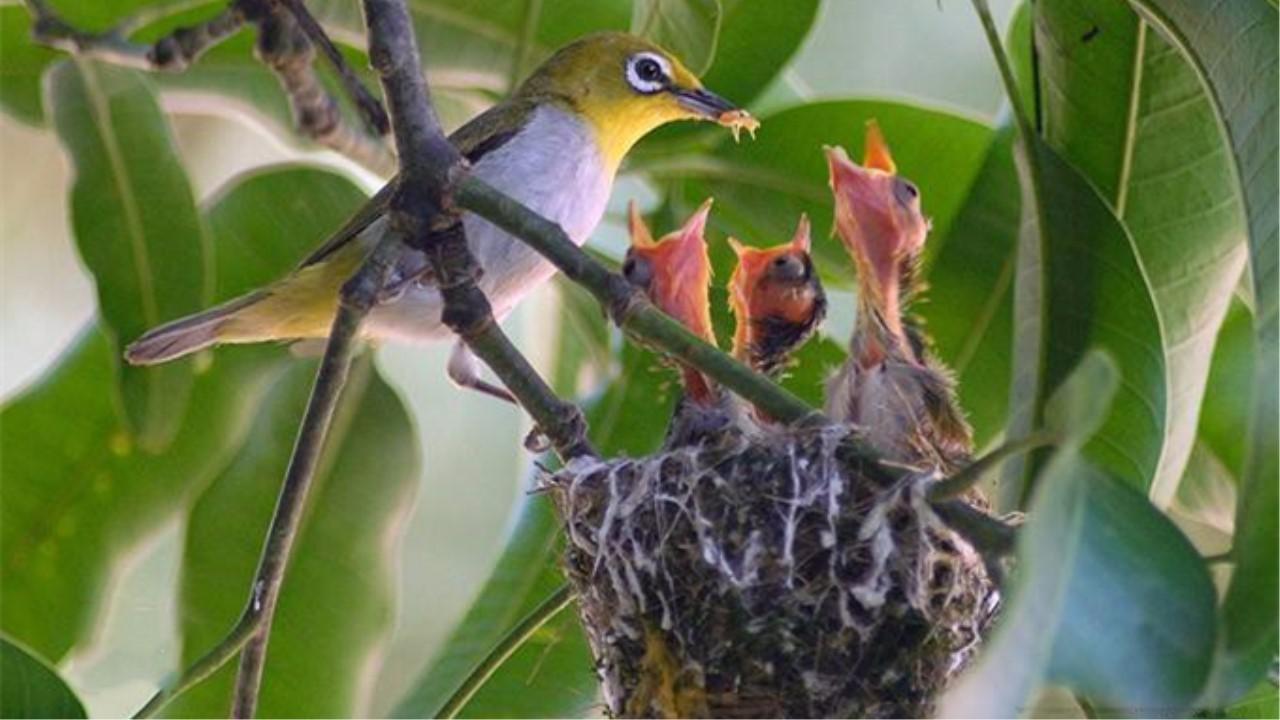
pixel 555 145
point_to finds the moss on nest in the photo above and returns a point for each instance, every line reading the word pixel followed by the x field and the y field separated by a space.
pixel 782 575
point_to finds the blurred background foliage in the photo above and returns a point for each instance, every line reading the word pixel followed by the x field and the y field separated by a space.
pixel 1139 218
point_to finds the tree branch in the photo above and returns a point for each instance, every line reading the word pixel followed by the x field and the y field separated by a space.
pixel 422 211
pixel 285 45
pixel 370 107
pixel 628 307
pixel 358 295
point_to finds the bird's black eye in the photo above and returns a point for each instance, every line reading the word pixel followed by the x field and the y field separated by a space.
pixel 905 192
pixel 648 72
pixel 638 271
pixel 648 69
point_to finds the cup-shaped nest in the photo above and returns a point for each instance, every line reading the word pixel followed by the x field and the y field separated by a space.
pixel 777 576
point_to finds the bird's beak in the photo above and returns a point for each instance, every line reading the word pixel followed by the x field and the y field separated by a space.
pixel 703 102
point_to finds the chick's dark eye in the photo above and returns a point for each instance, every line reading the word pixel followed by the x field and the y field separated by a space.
pixel 788 268
pixel 905 191
pixel 638 271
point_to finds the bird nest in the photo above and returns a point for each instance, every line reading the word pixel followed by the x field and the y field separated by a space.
pixel 776 576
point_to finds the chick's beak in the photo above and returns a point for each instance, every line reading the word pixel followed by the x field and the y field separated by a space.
pixel 864 217
pixel 680 270
pixel 686 275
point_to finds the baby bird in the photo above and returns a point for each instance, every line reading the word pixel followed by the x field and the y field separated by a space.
pixel 891 386
pixel 777 300
pixel 675 273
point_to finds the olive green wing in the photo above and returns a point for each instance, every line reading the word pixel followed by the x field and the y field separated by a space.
pixel 483 134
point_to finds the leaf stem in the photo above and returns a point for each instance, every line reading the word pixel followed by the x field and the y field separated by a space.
pixel 1006 70
pixel 515 638
pixel 972 474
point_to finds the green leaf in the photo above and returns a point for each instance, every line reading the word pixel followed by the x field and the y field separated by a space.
pixel 1232 47
pixel 24 63
pixel 1129 112
pixel 335 611
pixel 1077 409
pixel 78 493
pixel 756 42
pixel 1207 496
pixel 1262 702
pixel 136 226
pixel 1109 600
pixel 688 28
pixel 1231 378
pixel 1079 285
pixel 32 688
pixel 762 186
pixel 527 572
pixel 968 309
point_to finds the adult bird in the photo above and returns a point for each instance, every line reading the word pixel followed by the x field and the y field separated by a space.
pixel 554 145
pixel 777 300
pixel 675 273
pixel 892 387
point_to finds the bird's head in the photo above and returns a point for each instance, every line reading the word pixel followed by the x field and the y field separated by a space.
pixel 879 220
pixel 777 299
pixel 675 273
pixel 626 86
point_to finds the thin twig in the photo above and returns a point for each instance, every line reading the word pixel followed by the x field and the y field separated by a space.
pixel 173 53
pixel 284 46
pixel 370 107
pixel 358 295
pixel 515 638
pixel 972 474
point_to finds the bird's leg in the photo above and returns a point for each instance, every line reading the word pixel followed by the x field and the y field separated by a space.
pixel 464 371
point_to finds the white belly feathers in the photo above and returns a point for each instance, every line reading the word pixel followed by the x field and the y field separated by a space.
pixel 553 167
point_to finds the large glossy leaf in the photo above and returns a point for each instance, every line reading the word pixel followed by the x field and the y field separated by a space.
pixel 1233 48
pixel 969 305
pixel 1119 103
pixel 24 63
pixel 31 688
pixel 527 572
pixel 1231 378
pixel 688 28
pixel 335 608
pixel 1079 285
pixel 761 187
pixel 136 226
pixel 78 493
pixel 1109 598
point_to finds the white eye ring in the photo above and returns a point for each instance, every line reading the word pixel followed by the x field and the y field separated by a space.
pixel 648 72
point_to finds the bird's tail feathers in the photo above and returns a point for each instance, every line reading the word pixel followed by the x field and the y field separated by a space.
pixel 186 335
